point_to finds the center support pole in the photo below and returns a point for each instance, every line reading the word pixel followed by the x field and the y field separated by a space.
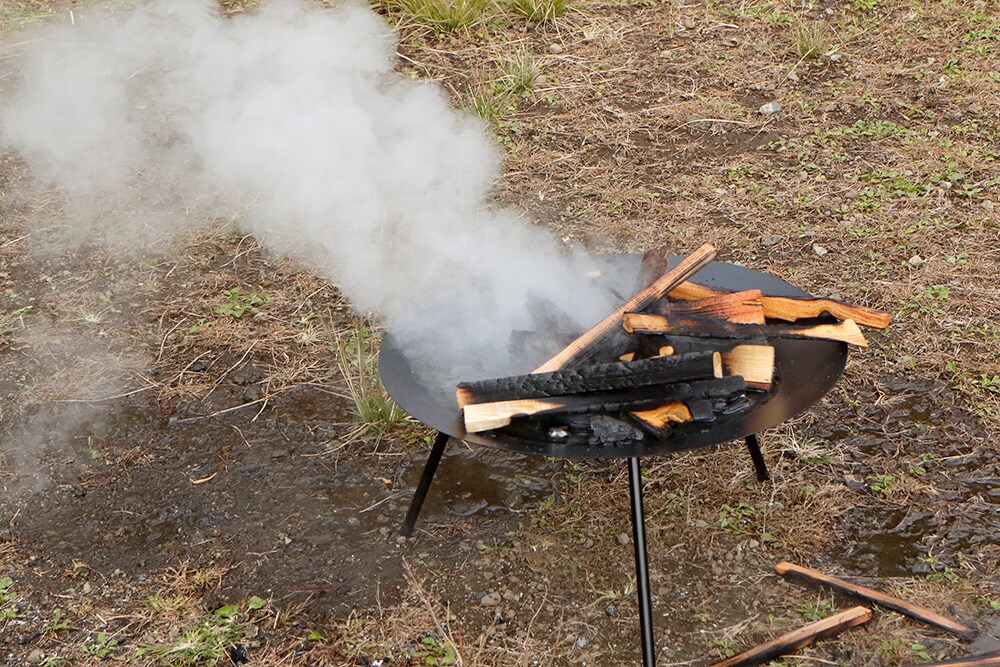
pixel 641 564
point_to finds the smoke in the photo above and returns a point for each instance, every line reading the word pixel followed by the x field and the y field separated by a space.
pixel 293 120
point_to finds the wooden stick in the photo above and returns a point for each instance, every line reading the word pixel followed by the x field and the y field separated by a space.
pixel 739 307
pixel 791 309
pixel 659 289
pixel 645 323
pixel 615 376
pixel 754 362
pixel 487 416
pixel 981 660
pixel 797 639
pixel 786 569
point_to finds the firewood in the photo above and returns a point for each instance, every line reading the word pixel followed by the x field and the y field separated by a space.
pixel 791 309
pixel 616 376
pixel 628 356
pixel 653 265
pixel 754 362
pixel 739 307
pixel 646 323
pixel 811 576
pixel 666 350
pixel 658 420
pixel 800 638
pixel 487 416
pixel 981 660
pixel 659 289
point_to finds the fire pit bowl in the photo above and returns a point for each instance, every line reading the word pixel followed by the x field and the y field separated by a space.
pixel 805 369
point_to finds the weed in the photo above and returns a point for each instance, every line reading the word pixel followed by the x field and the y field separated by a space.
pixel 517 76
pixel 375 412
pixel 57 624
pixel 102 647
pixel 814 611
pixel 239 302
pixel 883 484
pixel 206 640
pixel 871 129
pixel 726 645
pixel 437 651
pixel 865 5
pixel 8 601
pixel 992 603
pixel 808 450
pixel 809 41
pixel 737 519
pixel 9 322
pixel 444 15
pixel 540 11
pixel 939 572
pixel 491 103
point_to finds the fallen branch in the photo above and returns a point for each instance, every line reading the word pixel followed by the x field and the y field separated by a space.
pixel 790 570
pixel 981 660
pixel 796 639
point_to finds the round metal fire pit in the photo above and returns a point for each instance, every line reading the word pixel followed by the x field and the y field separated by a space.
pixel 804 371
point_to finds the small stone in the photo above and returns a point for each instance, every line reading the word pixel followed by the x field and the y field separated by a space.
pixel 36 656
pixel 555 48
pixel 975 109
pixel 769 239
pixel 688 24
pixel 542 80
pixel 836 57
pixel 511 596
pixel 700 523
pixel 988 205
pixel 792 76
pixel 491 600
pixel 589 544
pixel 623 538
pixel 753 544
pixel 252 632
pixel 581 642
pixel 87 588
pixel 610 610
pixel 819 250
pixel 916 260
pixel 770 108
pixel 828 11
pixel 198 367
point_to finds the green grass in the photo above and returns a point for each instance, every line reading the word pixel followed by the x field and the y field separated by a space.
pixel 539 11
pixel 809 42
pixel 517 75
pixel 444 15
pixel 206 640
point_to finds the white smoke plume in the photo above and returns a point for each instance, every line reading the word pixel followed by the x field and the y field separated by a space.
pixel 293 119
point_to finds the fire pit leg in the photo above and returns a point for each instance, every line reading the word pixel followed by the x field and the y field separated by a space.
pixel 425 484
pixel 758 458
pixel 641 564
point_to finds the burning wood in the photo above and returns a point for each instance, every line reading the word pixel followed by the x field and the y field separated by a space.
pixel 655 365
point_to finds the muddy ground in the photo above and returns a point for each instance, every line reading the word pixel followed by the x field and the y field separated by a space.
pixel 162 461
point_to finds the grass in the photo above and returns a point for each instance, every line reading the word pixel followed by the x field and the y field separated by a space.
pixel 376 415
pixel 809 41
pixel 539 11
pixel 443 16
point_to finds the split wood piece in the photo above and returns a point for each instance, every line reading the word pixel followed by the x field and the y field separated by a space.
pixel 739 307
pixel 645 323
pixel 786 569
pixel 487 416
pixel 653 265
pixel 797 639
pixel 682 344
pixel 790 308
pixel 658 420
pixel 754 362
pixel 981 660
pixel 659 289
pixel 616 376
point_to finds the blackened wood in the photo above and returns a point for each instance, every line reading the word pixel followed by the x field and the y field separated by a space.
pixel 657 421
pixel 659 289
pixel 647 323
pixel 791 309
pixel 653 265
pixel 811 576
pixel 739 307
pixel 487 416
pixel 796 639
pixel 702 410
pixel 981 660
pixel 604 377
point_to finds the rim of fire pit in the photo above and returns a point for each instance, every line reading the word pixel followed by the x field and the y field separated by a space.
pixel 805 370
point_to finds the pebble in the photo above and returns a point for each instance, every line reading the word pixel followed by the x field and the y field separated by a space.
pixel 555 48
pixel 87 588
pixel 700 523
pixel 623 538
pixel 819 250
pixel 491 599
pixel 916 260
pixel 769 239
pixel 581 642
pixel 589 544
pixel 542 80
pixel 688 24
pixel 792 76
pixel 836 57
pixel 770 108
pixel 36 656
pixel 610 610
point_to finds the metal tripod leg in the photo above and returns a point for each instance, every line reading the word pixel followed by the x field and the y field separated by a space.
pixel 758 458
pixel 425 484
pixel 641 564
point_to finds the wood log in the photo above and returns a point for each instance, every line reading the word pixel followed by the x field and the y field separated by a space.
pixel 616 376
pixel 646 323
pixel 486 416
pixel 804 636
pixel 754 362
pixel 811 576
pixel 791 309
pixel 659 289
pixel 739 307
pixel 657 421
pixel 653 265
pixel 981 660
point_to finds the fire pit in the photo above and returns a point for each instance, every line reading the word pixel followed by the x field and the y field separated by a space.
pixel 804 370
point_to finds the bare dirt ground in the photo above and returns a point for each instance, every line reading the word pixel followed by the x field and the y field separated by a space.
pixel 185 483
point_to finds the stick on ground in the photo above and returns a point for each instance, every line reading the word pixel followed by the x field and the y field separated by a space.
pixel 796 639
pixel 811 576
pixel 981 660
